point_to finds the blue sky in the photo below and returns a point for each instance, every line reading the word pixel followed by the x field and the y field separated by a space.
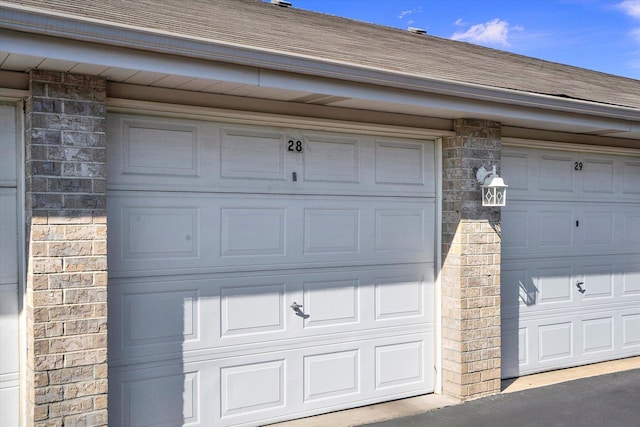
pixel 602 35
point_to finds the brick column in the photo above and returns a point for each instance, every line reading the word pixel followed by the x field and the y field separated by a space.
pixel 66 299
pixel 470 273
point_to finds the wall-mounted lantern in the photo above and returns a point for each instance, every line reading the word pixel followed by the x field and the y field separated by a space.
pixel 494 190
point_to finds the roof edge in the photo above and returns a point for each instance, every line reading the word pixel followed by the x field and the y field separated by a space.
pixel 43 22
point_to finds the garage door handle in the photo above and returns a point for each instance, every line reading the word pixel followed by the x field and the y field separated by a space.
pixel 295 306
pixel 580 288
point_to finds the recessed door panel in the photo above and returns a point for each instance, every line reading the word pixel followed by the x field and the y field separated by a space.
pixel 252 387
pixel 331 159
pixel 399 364
pixel 331 374
pixel 399 163
pixel 252 154
pixel 597 334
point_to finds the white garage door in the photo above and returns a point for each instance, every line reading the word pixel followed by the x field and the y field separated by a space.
pixel 570 259
pixel 9 342
pixel 216 231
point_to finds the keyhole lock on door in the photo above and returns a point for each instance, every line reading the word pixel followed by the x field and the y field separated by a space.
pixel 579 285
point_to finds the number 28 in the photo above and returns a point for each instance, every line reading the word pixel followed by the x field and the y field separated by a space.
pixel 295 146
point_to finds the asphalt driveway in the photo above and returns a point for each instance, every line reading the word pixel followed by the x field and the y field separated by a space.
pixel 610 400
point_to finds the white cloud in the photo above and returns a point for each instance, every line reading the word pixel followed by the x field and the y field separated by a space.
pixel 403 14
pixel 495 32
pixel 460 23
pixel 631 8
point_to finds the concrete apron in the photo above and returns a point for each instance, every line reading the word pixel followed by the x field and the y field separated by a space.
pixel 420 404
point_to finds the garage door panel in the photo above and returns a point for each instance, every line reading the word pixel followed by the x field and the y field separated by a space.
pixel 331 230
pixel 515 225
pixel 554 229
pixel 399 163
pixel 528 287
pixel 631 227
pixel 333 159
pixel 8 237
pixel 252 309
pixel 264 387
pixel 598 281
pixel 162 396
pixel 562 340
pixel 514 358
pixel 400 297
pixel 569 260
pixel 554 285
pixel 157 232
pixel 252 387
pixel 569 176
pixel 598 176
pixel 332 302
pixel 267 159
pixel 558 173
pixel 399 364
pixel 630 280
pixel 555 341
pixel 252 232
pixel 345 365
pixel 598 226
pixel 597 334
pixel 631 177
pixel 546 229
pixel 631 330
pixel 162 153
pixel 536 286
pixel 516 288
pixel 164 150
pixel 8 146
pixel 180 233
pixel 516 166
pixel 159 318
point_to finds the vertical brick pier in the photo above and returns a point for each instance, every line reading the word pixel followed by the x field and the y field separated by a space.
pixel 470 273
pixel 66 299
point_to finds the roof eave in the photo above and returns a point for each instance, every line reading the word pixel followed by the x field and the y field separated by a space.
pixel 43 22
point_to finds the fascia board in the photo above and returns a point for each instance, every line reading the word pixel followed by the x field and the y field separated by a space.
pixel 449 103
pixel 119 57
pixel 37 21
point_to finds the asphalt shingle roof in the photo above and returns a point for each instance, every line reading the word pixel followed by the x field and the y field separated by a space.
pixel 263 26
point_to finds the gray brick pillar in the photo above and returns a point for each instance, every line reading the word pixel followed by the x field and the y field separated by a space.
pixel 470 264
pixel 66 299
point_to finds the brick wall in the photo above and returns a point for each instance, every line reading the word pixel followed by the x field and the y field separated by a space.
pixel 470 264
pixel 66 298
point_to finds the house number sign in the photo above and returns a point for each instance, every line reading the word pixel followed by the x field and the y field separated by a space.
pixel 295 146
pixel 577 166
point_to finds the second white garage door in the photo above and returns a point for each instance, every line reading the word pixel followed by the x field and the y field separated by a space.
pixel 259 274
pixel 570 259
